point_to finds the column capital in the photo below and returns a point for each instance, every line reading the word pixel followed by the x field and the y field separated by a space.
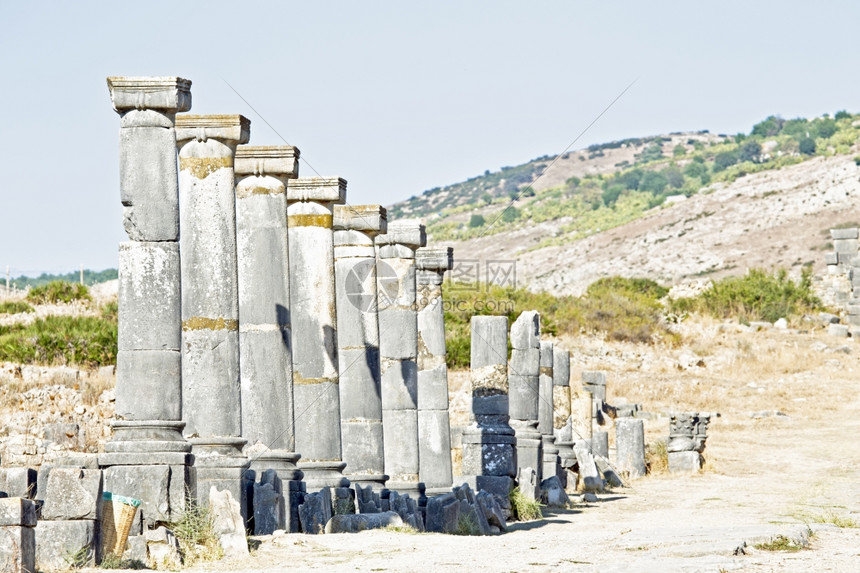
pixel 169 94
pixel 438 259
pixel 229 129
pixel 281 161
pixel 317 189
pixel 407 232
pixel 368 219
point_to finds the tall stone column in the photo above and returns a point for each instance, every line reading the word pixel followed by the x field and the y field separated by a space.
pixel 523 375
pixel 265 342
pixel 398 350
pixel 561 406
pixel 358 341
pixel 434 427
pixel 489 442
pixel 545 411
pixel 147 457
pixel 310 209
pixel 211 394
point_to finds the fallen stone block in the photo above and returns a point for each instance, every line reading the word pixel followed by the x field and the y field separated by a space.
pixel 527 482
pixel 268 509
pixel 163 548
pixel 492 510
pixel 589 476
pixel 552 494
pixel 17 549
pixel 685 462
pixel 73 494
pixel 60 544
pixel 135 549
pixel 353 523
pixel 315 512
pixel 228 524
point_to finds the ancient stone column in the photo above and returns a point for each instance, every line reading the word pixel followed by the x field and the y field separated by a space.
pixel 211 394
pixel 398 350
pixel 434 428
pixel 358 341
pixel 148 457
pixel 310 207
pixel 561 406
pixel 489 442
pixel 265 342
pixel 545 411
pixel 630 446
pixel 523 377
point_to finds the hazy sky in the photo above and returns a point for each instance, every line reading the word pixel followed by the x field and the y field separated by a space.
pixel 394 96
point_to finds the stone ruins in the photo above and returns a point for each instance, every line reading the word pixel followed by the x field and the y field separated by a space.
pixel 282 359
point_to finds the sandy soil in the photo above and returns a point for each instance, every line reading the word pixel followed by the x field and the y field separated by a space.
pixel 798 462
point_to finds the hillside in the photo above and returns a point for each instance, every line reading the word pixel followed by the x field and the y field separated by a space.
pixel 671 208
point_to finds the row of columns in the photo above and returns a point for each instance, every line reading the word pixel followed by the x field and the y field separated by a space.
pixel 284 305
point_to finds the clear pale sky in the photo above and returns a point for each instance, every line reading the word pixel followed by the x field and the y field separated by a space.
pixel 396 97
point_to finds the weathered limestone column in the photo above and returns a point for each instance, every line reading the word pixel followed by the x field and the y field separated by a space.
pixel 434 428
pixel 358 341
pixel 211 394
pixel 489 443
pixel 561 406
pixel 398 350
pixel 310 208
pixel 523 376
pixel 545 411
pixel 147 457
pixel 630 446
pixel 265 357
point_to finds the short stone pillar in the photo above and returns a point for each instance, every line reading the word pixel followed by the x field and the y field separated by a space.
pixel 523 378
pixel 630 446
pixel 687 436
pixel 211 394
pixel 358 341
pixel 434 428
pixel 489 442
pixel 551 461
pixel 310 210
pixel 398 350
pixel 147 435
pixel 561 406
pixel 265 341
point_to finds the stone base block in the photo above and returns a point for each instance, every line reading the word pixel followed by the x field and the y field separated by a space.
pixel 400 433
pixel 162 489
pixel 58 541
pixel 685 462
pixel 239 481
pixel 18 549
pixel 323 474
pixel 489 451
pixel 73 494
pixel 284 463
pixel 362 446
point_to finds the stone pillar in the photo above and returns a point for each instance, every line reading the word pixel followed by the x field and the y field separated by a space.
pixel 265 358
pixel 398 350
pixel 630 446
pixel 310 208
pixel 211 394
pixel 489 443
pixel 523 375
pixel 434 428
pixel 147 438
pixel 561 406
pixel 545 411
pixel 358 341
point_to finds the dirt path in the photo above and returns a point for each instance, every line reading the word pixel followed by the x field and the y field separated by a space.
pixel 766 477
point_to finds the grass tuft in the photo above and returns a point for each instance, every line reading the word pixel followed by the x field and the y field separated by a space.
pixel 467 525
pixel 81 558
pixel 525 509
pixel 196 535
pixel 778 543
pixel 841 521
pixel 15 307
pixel 657 457
pixel 407 529
pixel 58 291
pixel 113 561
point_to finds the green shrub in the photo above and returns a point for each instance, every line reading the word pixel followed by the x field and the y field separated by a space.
pixel 476 221
pixel 80 340
pixel 523 508
pixel 806 146
pixel 758 295
pixel 196 535
pixel 14 307
pixel 58 291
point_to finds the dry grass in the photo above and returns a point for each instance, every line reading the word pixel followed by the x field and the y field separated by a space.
pixel 657 457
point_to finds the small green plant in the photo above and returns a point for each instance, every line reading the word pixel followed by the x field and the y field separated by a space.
pixel 841 521
pixel 467 525
pixel 524 508
pixel 58 291
pixel 196 535
pixel 14 307
pixel 778 543
pixel 407 529
pixel 81 558
pixel 114 561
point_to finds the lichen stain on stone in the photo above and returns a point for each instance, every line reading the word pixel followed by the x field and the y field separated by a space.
pixel 299 379
pixel 245 192
pixel 546 371
pixel 309 220
pixel 203 167
pixel 205 323
pixel 490 380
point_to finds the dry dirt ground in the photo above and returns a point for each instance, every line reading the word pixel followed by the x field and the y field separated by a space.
pixel 782 456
